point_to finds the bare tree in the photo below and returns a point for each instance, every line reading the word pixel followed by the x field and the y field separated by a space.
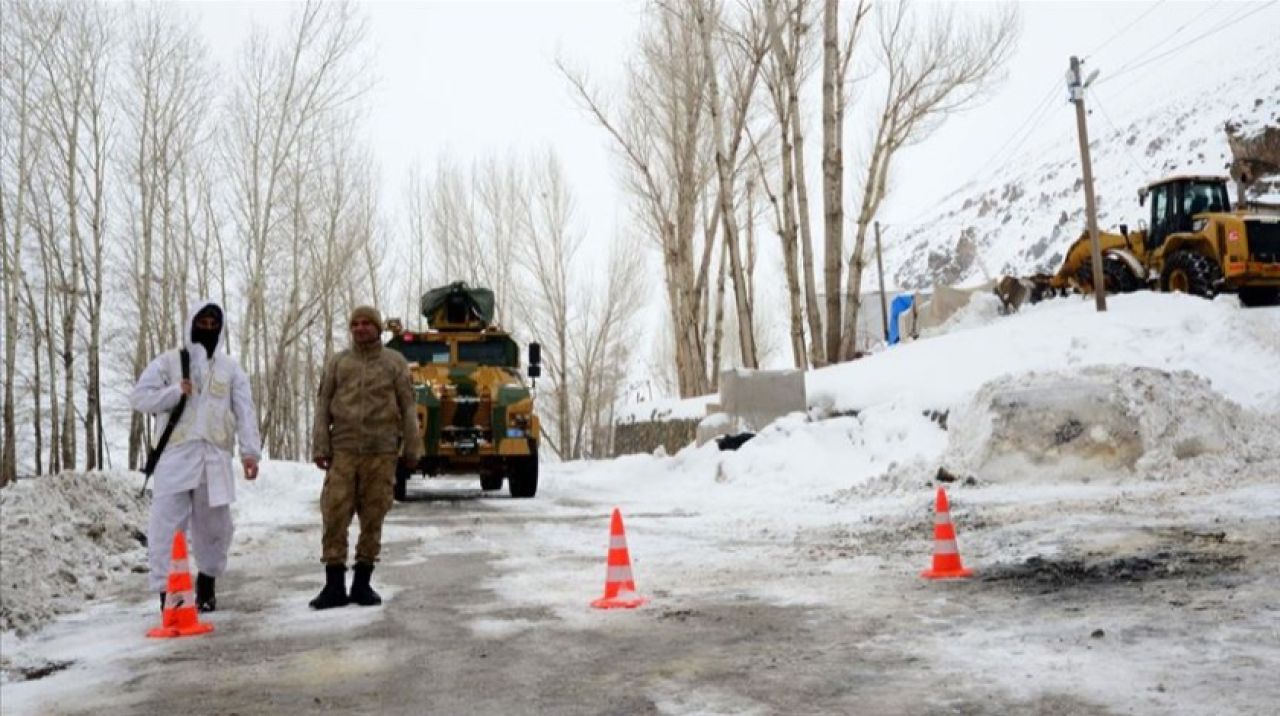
pixel 660 136
pixel 582 320
pixel 602 349
pixel 791 50
pixel 499 188
pixel 165 104
pixel 932 69
pixel 835 67
pixel 289 103
pixel 98 134
pixel 73 59
pixel 551 247
pixel 416 278
pixel 23 41
pixel 749 43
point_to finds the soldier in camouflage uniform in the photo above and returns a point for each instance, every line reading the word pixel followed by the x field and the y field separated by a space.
pixel 365 421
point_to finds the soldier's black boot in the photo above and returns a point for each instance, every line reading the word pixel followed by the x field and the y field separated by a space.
pixel 205 599
pixel 361 592
pixel 334 593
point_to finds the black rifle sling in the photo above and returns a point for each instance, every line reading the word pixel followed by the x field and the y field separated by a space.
pixel 185 358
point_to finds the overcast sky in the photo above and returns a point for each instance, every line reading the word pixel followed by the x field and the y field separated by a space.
pixel 477 79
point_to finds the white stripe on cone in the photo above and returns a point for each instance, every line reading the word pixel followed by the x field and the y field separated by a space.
pixel 619 574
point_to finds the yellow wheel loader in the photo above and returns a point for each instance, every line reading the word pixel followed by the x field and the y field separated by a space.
pixel 1193 242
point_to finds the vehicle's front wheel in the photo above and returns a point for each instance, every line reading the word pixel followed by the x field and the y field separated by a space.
pixel 401 492
pixel 522 478
pixel 1115 273
pixel 1190 272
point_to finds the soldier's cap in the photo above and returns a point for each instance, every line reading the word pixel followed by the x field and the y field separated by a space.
pixel 368 312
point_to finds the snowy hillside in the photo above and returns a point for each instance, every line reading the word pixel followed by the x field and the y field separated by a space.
pixel 1022 220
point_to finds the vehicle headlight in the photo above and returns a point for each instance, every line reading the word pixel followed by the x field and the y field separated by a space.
pixel 1198 225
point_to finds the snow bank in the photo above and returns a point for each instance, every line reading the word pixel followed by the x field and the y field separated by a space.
pixel 65 539
pixel 1235 348
pixel 1125 422
pixel 71 538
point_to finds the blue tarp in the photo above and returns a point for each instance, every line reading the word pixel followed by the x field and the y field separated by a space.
pixel 900 304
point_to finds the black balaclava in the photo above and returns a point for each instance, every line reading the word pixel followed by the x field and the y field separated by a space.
pixel 207 338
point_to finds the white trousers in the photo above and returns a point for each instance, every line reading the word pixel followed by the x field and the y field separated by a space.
pixel 208 531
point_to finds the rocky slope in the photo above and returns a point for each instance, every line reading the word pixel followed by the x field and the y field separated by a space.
pixel 1023 221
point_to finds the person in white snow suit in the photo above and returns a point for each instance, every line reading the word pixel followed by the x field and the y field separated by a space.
pixel 194 479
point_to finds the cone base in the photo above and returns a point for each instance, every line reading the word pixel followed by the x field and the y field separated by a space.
pixel 618 603
pixel 162 632
pixel 947 574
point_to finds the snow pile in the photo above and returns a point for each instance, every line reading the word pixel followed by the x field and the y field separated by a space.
pixel 1070 425
pixel 1235 348
pixel 65 539
pixel 982 309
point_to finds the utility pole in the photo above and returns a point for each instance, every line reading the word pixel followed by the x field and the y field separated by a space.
pixel 884 307
pixel 1076 87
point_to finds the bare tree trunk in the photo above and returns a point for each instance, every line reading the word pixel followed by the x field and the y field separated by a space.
pixel 832 176
pixel 795 200
pixel 20 48
pixel 9 261
pixel 746 335
pixel 46 324
pixel 835 65
pixel 719 327
pixel 94 434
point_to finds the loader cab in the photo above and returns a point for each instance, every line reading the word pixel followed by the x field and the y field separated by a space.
pixel 1176 201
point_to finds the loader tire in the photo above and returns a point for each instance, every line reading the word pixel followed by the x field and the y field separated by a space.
pixel 1190 272
pixel 1115 273
pixel 1260 296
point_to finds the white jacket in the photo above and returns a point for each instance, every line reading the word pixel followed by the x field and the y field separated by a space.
pixel 219 412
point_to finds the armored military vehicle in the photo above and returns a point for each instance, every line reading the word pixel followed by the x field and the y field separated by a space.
pixel 475 411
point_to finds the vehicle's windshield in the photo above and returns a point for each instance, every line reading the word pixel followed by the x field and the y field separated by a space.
pixel 1201 197
pixel 490 352
pixel 426 352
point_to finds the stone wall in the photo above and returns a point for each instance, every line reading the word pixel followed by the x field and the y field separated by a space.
pixel 645 437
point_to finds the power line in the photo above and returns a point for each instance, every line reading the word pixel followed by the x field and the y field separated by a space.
pixel 1224 25
pixel 1028 124
pixel 1132 160
pixel 1123 30
pixel 1164 41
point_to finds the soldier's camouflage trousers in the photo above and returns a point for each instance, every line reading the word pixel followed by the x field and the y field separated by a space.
pixel 356 485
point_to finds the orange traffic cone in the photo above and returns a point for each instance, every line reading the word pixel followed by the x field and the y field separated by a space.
pixel 619 588
pixel 179 617
pixel 946 556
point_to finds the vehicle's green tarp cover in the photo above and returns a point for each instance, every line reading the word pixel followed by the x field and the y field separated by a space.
pixel 479 300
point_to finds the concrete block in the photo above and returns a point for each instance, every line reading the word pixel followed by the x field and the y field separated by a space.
pixel 755 398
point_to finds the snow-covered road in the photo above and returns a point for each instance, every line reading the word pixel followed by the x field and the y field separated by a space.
pixel 1119 508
